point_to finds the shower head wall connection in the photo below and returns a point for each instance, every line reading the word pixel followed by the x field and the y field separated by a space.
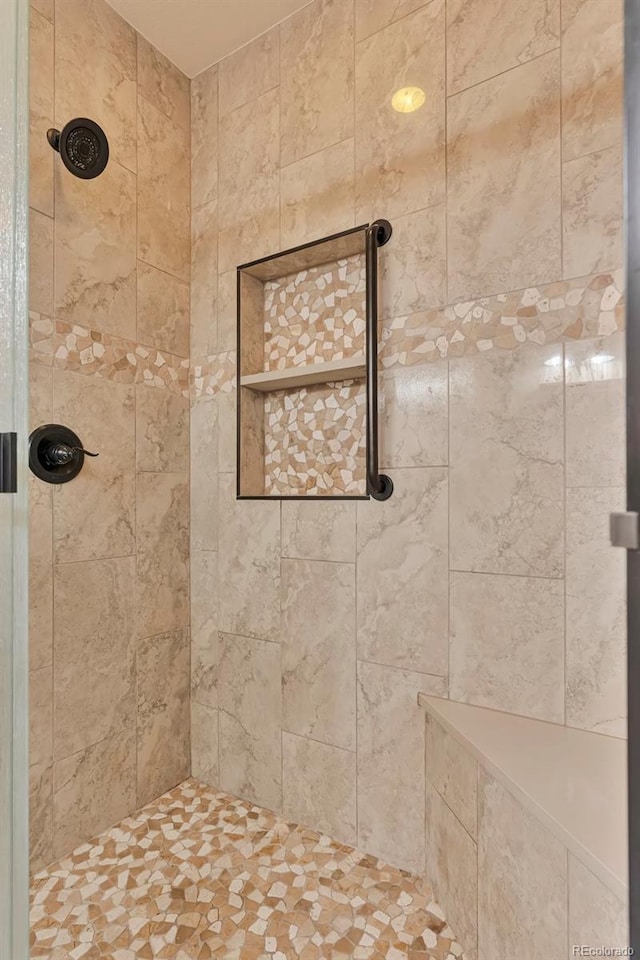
pixel 83 146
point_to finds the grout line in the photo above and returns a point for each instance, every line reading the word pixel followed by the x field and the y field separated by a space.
pixel 135 447
pixel 477 840
pixel 392 23
pixel 564 533
pixel 616 145
pixel 67 563
pixel 53 506
pixel 323 743
pixel 148 263
pixel 502 73
pixel 446 247
pixel 490 573
pixel 561 171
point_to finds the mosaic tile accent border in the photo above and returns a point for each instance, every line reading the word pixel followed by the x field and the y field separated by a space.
pixel 199 874
pixel 315 315
pixel 567 310
pixel 68 346
pixel 315 440
pixel 212 375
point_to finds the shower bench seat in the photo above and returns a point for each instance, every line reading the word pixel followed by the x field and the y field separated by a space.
pixel 526 832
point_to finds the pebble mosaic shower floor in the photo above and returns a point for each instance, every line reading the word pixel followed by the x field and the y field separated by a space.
pixel 199 874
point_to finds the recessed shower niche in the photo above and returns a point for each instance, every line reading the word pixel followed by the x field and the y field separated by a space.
pixel 307 370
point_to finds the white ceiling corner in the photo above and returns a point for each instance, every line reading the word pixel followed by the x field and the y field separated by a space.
pixel 194 34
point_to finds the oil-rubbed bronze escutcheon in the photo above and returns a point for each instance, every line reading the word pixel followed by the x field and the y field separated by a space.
pixel 56 454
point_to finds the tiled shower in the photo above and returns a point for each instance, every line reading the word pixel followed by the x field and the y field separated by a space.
pixel 274 650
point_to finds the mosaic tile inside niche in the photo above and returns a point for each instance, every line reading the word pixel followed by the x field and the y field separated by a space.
pixel 198 874
pixel 315 315
pixel 577 309
pixel 315 440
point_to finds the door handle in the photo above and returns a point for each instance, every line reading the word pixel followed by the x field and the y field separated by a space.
pixel 624 530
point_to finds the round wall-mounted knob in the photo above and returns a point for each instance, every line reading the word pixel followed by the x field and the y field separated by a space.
pixel 56 454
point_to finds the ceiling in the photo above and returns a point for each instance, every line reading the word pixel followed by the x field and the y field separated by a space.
pixel 193 34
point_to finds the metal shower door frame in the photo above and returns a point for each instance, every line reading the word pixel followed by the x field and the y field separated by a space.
pixel 14 394
pixel 632 221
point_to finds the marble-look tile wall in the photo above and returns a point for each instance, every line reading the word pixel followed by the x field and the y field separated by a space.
pixel 109 292
pixel 487 576
pixel 509 887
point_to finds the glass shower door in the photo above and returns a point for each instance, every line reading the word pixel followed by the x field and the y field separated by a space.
pixel 14 725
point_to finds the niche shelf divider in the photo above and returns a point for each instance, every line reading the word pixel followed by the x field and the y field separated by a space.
pixel 307 404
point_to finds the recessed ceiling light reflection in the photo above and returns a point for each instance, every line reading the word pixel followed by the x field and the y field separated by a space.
pixel 557 361
pixel 602 358
pixel 408 99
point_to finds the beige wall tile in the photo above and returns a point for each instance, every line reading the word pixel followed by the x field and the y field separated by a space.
pixel 162 430
pixel 40 574
pixel 592 64
pixel 204 627
pixel 592 213
pixel 250 601
pixel 94 516
pixel 453 771
pixel 249 198
pixel 163 192
pixel 110 96
pixel 402 573
pixel 249 72
pixel 41 156
pixel 204 137
pixel 95 250
pixel 506 427
pixel 484 39
pixel 507 644
pixel 204 475
pixel 391 779
pixel 596 917
pixel 316 77
pixel 94 653
pixel 250 720
pixel 92 790
pixel 318 651
pixel 414 416
pixel 503 181
pixel 522 878
pixel 204 280
pixel 162 567
pixel 317 195
pixel 413 270
pixel 40 263
pixel 400 158
pixel 204 743
pixel 596 613
pixel 595 412
pixel 227 432
pixel 371 15
pixel 163 752
pixel 40 530
pixel 40 816
pixel 162 83
pixel 319 531
pixel 319 786
pixel 227 315
pixel 41 716
pixel 451 867
pixel 45 7
pixel 163 310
